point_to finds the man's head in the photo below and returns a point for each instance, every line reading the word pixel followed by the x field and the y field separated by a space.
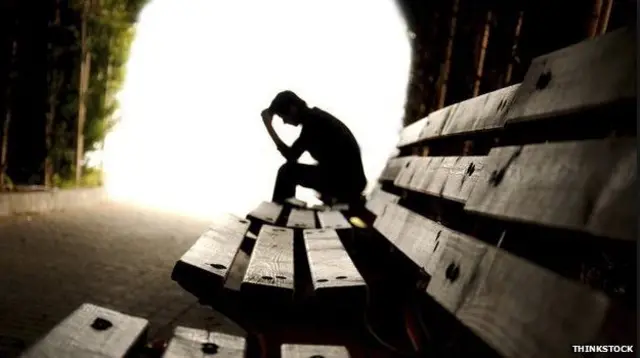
pixel 288 106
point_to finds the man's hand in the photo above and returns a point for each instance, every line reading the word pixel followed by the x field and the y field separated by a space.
pixel 267 116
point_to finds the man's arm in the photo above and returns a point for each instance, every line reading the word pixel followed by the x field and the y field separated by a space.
pixel 290 153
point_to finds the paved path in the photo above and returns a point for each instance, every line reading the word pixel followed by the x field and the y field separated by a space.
pixel 115 255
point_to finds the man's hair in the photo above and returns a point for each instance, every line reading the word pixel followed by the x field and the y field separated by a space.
pixel 283 102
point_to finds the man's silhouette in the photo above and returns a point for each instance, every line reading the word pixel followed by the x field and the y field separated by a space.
pixel 338 176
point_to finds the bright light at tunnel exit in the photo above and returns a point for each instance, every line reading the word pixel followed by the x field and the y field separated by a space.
pixel 191 139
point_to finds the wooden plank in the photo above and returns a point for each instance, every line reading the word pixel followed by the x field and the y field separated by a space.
pixel 438 173
pixel 426 174
pixel 392 168
pixel 271 263
pixel 267 211
pixel 591 73
pixel 329 263
pixel 452 267
pixel 91 331
pixel 523 310
pixel 197 343
pixel 480 113
pixel 296 202
pixel 407 172
pixel 215 250
pixel 333 220
pixel 571 185
pixel 307 351
pixel 418 238
pixel 462 177
pixel 301 219
pixel 436 121
pixel 411 133
pixel 379 200
pixel 391 222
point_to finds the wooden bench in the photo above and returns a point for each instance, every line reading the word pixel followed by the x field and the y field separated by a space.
pixel 284 263
pixel 517 207
pixel 94 331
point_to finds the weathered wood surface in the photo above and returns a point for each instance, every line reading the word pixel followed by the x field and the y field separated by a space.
pixel 271 263
pixel 462 177
pixel 379 199
pixel 523 310
pixel 81 336
pixel 585 185
pixel 311 351
pixel 407 172
pixel 411 133
pixel 296 202
pixel 418 238
pixel 329 262
pixel 196 343
pixel 591 73
pixel 435 122
pixel 391 221
pixel 267 211
pixel 452 267
pixel 333 220
pixel 216 248
pixel 480 113
pixel 392 168
pixel 301 219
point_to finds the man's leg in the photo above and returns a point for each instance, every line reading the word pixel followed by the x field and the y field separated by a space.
pixel 291 175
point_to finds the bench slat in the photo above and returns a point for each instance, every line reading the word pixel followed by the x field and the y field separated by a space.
pixel 572 185
pixel 302 219
pixel 195 343
pixel 74 337
pixel 435 122
pixel 306 351
pixel 329 262
pixel 418 238
pixel 462 177
pixel 216 248
pixel 392 168
pixel 523 310
pixel 271 263
pixel 333 220
pixel 267 211
pixel 379 199
pixel 480 113
pixel 452 267
pixel 411 133
pixel 591 73
pixel 391 222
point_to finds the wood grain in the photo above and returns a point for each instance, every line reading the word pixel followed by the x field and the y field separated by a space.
pixel 217 247
pixel 379 199
pixel 591 73
pixel 462 177
pixel 301 219
pixel 267 211
pixel 572 185
pixel 307 351
pixel 418 238
pixel 411 133
pixel 271 263
pixel 392 168
pixel 333 220
pixel 523 310
pixel 195 343
pixel 425 174
pixel 480 113
pixel 452 267
pixel 74 337
pixel 391 222
pixel 436 121
pixel 329 262
pixel 407 172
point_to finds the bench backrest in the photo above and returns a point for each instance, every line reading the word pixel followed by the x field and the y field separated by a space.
pixel 518 203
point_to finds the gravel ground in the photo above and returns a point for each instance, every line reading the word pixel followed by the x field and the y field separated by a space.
pixel 115 255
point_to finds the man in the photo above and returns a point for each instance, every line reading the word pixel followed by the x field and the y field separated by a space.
pixel 339 175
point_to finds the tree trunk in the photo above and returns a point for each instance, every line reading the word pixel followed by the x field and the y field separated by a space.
pixel 446 67
pixel 55 82
pixel 595 19
pixel 514 51
pixel 604 17
pixel 4 146
pixel 483 52
pixel 82 92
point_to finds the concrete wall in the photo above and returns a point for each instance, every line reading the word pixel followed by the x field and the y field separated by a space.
pixel 44 201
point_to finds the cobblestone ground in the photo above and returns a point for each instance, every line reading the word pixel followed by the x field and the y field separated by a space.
pixel 115 255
